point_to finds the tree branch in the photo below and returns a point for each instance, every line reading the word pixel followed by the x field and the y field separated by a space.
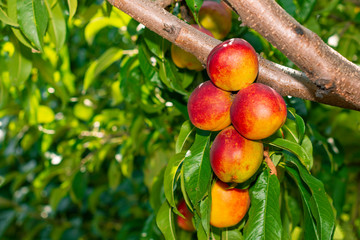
pixel 331 73
pixel 284 80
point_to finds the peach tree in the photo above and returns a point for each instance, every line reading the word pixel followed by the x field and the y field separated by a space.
pixel 98 141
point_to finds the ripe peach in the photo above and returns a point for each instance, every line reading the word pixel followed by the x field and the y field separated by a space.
pixel 209 107
pixel 215 17
pixel 258 111
pixel 185 223
pixel 228 205
pixel 234 158
pixel 232 65
pixel 183 59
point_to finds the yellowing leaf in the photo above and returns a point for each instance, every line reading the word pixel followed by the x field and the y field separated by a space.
pixel 45 114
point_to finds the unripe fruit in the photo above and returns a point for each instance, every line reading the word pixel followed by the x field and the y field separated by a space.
pixel 228 206
pixel 258 111
pixel 185 223
pixel 209 107
pixel 234 158
pixel 184 59
pixel 232 65
pixel 215 17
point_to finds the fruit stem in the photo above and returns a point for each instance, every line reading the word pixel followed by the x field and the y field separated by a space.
pixel 269 162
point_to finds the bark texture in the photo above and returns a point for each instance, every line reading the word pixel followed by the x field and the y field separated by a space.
pixel 328 77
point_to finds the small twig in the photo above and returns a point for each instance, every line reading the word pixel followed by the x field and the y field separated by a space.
pixel 269 162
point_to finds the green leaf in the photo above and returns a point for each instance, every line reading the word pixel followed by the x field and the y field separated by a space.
pixel 33 19
pixel 156 192
pixel 165 221
pixel 205 210
pixel 56 195
pixel 72 8
pixel 264 213
pixel 114 175
pixel 156 44
pixel 7 20
pixel 98 24
pixel 197 168
pixel 320 205
pixel 186 129
pixel 79 185
pixel 309 222
pixel 45 114
pixel 231 234
pixel 305 157
pixel 170 177
pixel 304 10
pixel 300 124
pixel 57 25
pixel 96 67
pixel 6 218
pixel 194 6
pixel 19 65
pixel 12 13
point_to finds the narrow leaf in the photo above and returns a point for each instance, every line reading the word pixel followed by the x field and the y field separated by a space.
pixel 264 214
pixel 320 206
pixel 98 66
pixel 57 25
pixel 170 177
pixel 7 20
pixel 33 19
pixel 197 168
pixel 309 223
pixel 305 158
pixel 165 221
pixel 72 8
pixel 185 131
pixel 194 6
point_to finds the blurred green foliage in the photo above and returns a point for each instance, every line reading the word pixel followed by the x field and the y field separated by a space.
pixel 90 113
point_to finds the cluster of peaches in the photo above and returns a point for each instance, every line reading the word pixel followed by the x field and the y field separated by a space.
pixel 244 113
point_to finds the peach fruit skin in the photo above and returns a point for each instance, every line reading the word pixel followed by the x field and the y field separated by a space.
pixel 215 17
pixel 185 223
pixel 183 59
pixel 209 107
pixel 228 206
pixel 234 158
pixel 258 111
pixel 232 65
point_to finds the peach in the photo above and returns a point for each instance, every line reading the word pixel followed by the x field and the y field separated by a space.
pixel 228 205
pixel 234 158
pixel 258 111
pixel 183 59
pixel 185 223
pixel 209 107
pixel 232 65
pixel 215 17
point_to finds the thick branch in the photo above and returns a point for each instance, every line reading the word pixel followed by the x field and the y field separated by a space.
pixel 284 80
pixel 331 73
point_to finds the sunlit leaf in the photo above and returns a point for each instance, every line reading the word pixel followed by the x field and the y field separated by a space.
pixel 57 25
pixel 72 8
pixel 45 114
pixel 197 169
pixel 186 129
pixel 194 6
pixel 264 213
pixel 98 66
pixel 170 177
pixel 7 20
pixel 33 19
pixel 165 221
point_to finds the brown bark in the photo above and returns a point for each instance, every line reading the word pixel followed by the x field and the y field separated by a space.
pixel 316 86
pixel 332 74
